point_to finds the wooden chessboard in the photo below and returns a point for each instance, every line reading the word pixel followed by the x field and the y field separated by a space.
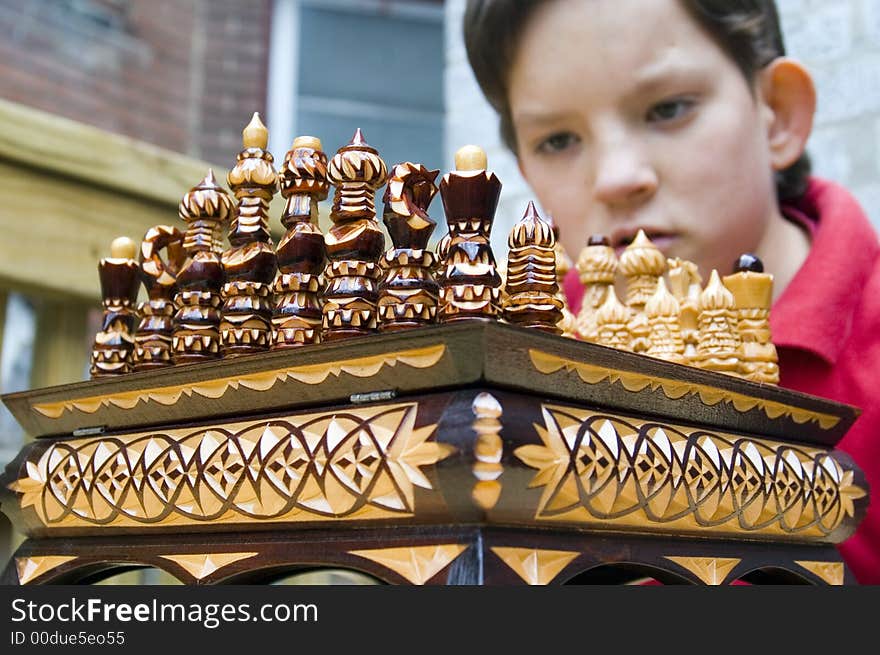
pixel 475 452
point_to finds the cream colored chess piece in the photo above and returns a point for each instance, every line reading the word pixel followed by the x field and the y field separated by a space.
pixel 685 284
pixel 718 346
pixel 642 264
pixel 662 310
pixel 611 323
pixel 597 268
pixel 752 291
pixel 568 323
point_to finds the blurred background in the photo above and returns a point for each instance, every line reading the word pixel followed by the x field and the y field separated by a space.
pixel 110 110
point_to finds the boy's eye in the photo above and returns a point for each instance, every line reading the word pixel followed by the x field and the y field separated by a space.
pixel 669 110
pixel 557 142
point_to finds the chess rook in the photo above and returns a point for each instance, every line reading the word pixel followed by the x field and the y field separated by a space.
pixel 597 269
pixel 470 285
pixel 249 265
pixel 153 339
pixel 300 253
pixel 120 282
pixel 531 289
pixel 206 208
pixel 408 294
pixel 355 243
pixel 752 291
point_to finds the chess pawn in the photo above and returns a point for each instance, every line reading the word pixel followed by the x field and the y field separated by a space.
pixel 718 346
pixel 597 268
pixel 249 265
pixel 119 275
pixel 408 293
pixel 612 320
pixel 642 264
pixel 531 289
pixel 752 291
pixel 685 284
pixel 568 323
pixel 153 347
pixel 300 253
pixel 662 310
pixel 206 208
pixel 470 285
pixel 355 243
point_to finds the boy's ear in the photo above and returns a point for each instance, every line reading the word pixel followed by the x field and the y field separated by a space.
pixel 787 90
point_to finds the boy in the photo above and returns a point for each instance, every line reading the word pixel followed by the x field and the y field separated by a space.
pixel 685 119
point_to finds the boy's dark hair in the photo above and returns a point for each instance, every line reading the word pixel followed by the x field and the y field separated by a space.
pixel 748 31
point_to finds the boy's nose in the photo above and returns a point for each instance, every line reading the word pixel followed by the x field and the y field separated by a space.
pixel 623 178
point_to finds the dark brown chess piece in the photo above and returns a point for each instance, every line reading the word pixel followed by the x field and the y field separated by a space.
pixel 120 282
pixel 470 286
pixel 355 243
pixel 408 293
pixel 531 299
pixel 249 265
pixel 152 347
pixel 206 208
pixel 300 253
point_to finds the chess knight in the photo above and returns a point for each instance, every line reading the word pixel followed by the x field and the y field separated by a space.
pixel 408 293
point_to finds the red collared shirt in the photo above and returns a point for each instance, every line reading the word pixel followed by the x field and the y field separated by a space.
pixel 826 327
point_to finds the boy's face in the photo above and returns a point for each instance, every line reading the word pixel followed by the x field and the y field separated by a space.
pixel 629 116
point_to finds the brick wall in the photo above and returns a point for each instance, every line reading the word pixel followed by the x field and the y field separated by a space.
pixel 180 74
pixel 839 41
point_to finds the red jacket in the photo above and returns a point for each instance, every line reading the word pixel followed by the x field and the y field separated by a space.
pixel 826 327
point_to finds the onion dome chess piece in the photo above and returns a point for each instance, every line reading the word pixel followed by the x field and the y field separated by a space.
pixel 597 269
pixel 300 253
pixel 612 322
pixel 206 208
pixel 752 291
pixel 719 344
pixel 642 264
pixel 355 243
pixel 663 310
pixel 153 339
pixel 531 298
pixel 470 285
pixel 120 283
pixel 249 265
pixel 408 294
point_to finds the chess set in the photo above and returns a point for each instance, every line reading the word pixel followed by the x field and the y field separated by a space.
pixel 422 416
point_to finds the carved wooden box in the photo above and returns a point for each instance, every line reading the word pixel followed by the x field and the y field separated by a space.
pixel 472 453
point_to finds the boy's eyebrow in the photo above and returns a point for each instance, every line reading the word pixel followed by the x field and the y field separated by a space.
pixel 661 72
pixel 539 117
